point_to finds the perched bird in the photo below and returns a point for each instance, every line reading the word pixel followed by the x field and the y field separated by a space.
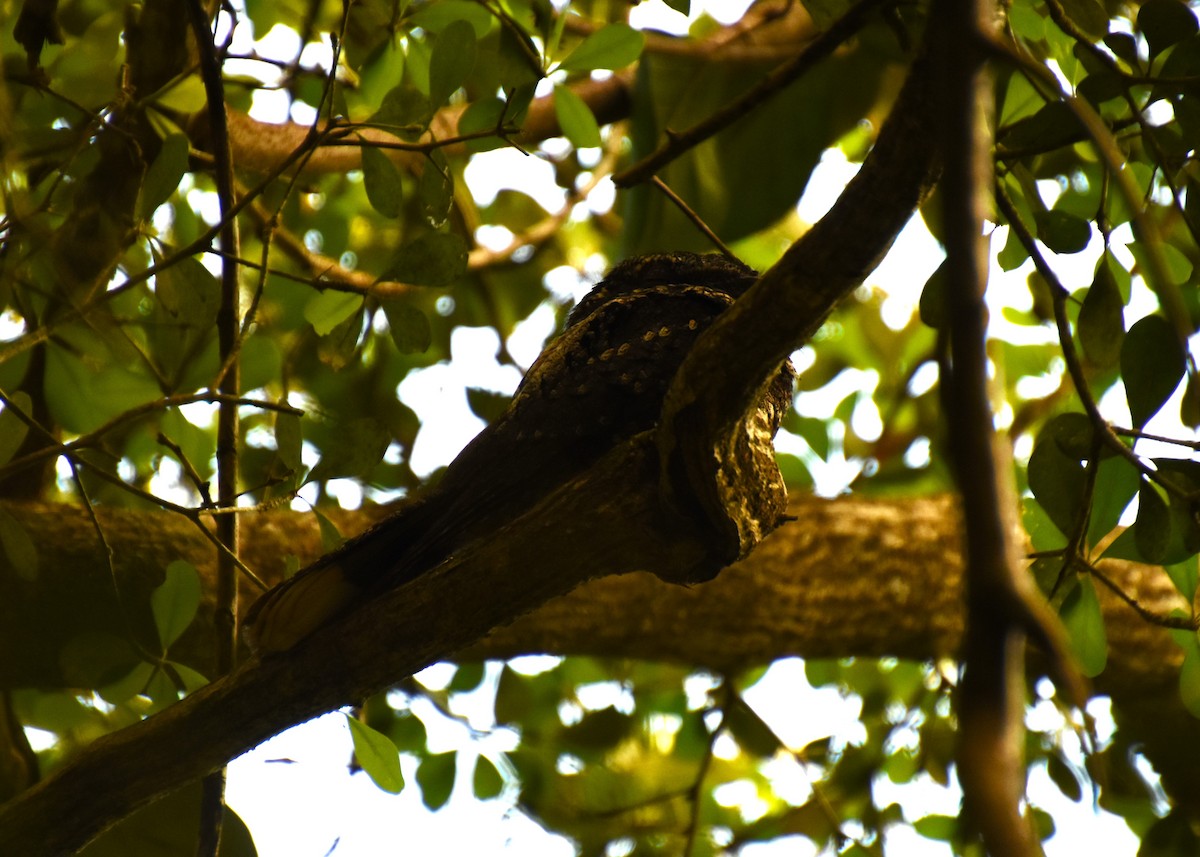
pixel 600 382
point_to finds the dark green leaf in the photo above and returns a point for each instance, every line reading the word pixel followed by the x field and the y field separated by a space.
pixel 357 447
pixel 1152 530
pixel 408 732
pixel 381 179
pixel 1152 364
pixel 163 176
pixel 576 119
pixel 933 307
pixel 175 602
pixel 1088 15
pixel 598 730
pixel 12 428
pixel 1164 23
pixel 1189 673
pixel 1102 319
pixel 404 107
pixel 435 776
pixel 169 827
pixel 467 677
pixel 750 730
pixel 436 190
pixel 452 60
pixel 377 755
pixel 1056 476
pixel 612 47
pixel 18 547
pixel 434 259
pixel 1064 777
pixel 488 783
pixel 289 440
pixel 408 326
pixel 486 405
pixel 436 17
pixel 684 7
pixel 1084 623
pixel 1063 232
pixel 336 349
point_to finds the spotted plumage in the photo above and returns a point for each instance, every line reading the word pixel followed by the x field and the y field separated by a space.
pixel 600 382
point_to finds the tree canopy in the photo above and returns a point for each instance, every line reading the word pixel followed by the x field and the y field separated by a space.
pixel 234 241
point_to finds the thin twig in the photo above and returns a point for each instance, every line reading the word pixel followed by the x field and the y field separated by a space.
pixel 691 215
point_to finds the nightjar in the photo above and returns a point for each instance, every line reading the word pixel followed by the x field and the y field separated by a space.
pixel 600 382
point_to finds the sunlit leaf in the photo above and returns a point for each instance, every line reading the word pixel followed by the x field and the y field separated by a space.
pixel 576 119
pixel 326 310
pixel 1084 621
pixel 612 47
pixel 377 755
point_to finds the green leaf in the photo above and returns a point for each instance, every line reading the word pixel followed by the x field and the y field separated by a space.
pixel 1152 530
pixel 381 180
pixel 289 440
pixel 750 730
pixel 326 310
pixel 436 190
pixel 1088 15
pixel 434 259
pixel 175 602
pixel 452 60
pixel 1152 364
pixel 12 429
pixel 436 17
pixel 488 783
pixel 1189 673
pixel 1184 575
pixel 942 828
pixel 331 537
pixel 576 119
pixel 377 755
pixel 486 405
pixel 1165 23
pixel 933 307
pixel 408 326
pixel 18 547
pixel 1056 476
pixel 1116 485
pixel 1084 623
pixel 435 776
pixel 164 174
pixel 612 47
pixel 467 677
pixel 1063 232
pixel 355 450
pixel 1102 318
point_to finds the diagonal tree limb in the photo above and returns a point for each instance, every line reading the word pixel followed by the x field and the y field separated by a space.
pixel 609 521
